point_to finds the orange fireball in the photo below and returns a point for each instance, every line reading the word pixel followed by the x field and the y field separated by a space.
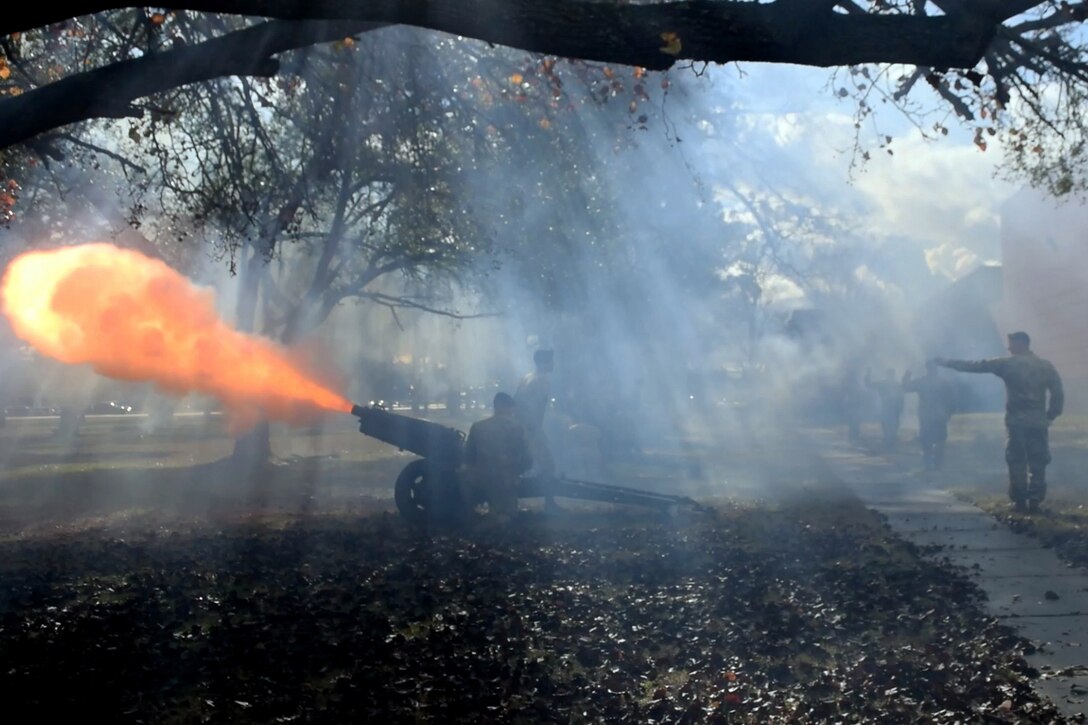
pixel 134 318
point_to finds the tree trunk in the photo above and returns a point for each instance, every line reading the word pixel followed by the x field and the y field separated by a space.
pixel 253 449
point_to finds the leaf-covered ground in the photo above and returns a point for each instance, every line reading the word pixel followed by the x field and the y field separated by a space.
pixel 806 612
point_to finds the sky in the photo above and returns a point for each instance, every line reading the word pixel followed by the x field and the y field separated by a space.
pixel 941 195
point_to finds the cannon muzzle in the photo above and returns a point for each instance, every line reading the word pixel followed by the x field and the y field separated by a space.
pixel 440 445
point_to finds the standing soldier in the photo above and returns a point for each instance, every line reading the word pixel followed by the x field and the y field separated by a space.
pixel 496 454
pixel 532 398
pixel 935 407
pixel 1028 379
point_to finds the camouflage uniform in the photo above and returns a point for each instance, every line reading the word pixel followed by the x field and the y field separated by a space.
pixel 1027 379
pixel 496 454
pixel 935 407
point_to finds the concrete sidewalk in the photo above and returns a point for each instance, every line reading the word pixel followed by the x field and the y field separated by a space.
pixel 1027 586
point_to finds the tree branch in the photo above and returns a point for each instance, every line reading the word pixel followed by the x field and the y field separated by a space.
pixel 1070 68
pixel 99 150
pixel 708 30
pixel 905 87
pixel 650 35
pixel 109 92
pixel 397 302
pixel 958 105
pixel 1054 19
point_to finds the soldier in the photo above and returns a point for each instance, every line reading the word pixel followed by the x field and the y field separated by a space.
pixel 935 407
pixel 1028 379
pixel 532 398
pixel 496 454
pixel 889 393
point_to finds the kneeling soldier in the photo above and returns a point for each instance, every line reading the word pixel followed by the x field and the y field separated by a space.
pixel 496 454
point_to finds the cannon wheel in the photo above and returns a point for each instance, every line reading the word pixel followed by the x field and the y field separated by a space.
pixel 425 494
pixel 412 491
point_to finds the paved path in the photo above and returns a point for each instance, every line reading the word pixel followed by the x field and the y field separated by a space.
pixel 1028 587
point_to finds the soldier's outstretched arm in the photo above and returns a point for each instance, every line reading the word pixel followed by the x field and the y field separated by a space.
pixel 994 365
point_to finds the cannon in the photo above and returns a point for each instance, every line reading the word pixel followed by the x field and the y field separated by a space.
pixel 427 488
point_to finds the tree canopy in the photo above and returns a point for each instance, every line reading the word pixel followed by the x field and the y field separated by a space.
pixel 1004 40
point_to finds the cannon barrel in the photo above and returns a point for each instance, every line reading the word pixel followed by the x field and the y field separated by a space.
pixel 439 444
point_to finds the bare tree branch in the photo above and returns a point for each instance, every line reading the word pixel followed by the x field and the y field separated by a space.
pixel 109 92
pixel 706 30
pixel 1052 20
pixel 99 150
pixel 651 35
pixel 405 302
pixel 958 105
pixel 905 86
pixel 1067 67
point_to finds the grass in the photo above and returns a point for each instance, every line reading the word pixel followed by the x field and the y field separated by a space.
pixel 118 472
